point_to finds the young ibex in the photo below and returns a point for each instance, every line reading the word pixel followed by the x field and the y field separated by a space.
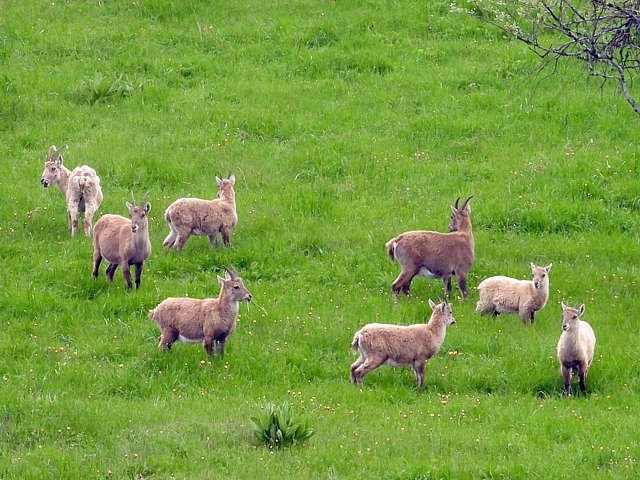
pixel 380 343
pixel 194 216
pixel 435 254
pixel 123 241
pixel 80 187
pixel 575 347
pixel 502 294
pixel 210 320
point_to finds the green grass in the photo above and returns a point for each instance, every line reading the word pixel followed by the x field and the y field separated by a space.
pixel 345 124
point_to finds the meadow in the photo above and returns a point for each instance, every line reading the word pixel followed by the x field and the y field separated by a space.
pixel 345 124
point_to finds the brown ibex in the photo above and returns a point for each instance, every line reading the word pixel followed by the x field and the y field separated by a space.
pixel 123 241
pixel 194 216
pixel 381 343
pixel 209 320
pixel 435 254
pixel 80 187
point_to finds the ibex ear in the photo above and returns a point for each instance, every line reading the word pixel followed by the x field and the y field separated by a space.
pixel 60 159
pixel 533 265
pixel 431 304
pixel 232 179
pixel 220 280
pixel 454 210
pixel 548 267
pixel 129 206
pixel 219 181
pixel 581 310
pixel 147 207
pixel 564 307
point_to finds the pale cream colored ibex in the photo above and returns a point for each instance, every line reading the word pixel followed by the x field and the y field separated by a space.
pixel 194 216
pixel 575 347
pixel 380 343
pixel 435 254
pixel 123 241
pixel 80 187
pixel 209 320
pixel 502 294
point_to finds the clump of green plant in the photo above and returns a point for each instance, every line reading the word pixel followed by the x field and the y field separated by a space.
pixel 102 87
pixel 278 427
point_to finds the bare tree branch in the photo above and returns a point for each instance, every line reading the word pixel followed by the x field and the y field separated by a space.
pixel 604 35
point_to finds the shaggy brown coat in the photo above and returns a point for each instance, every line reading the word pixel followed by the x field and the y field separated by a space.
pixel 80 187
pixel 123 241
pixel 209 320
pixel 501 294
pixel 575 347
pixel 435 254
pixel 194 216
pixel 380 343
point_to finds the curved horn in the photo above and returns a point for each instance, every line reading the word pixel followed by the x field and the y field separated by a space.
pixel 144 198
pixel 133 200
pixel 455 205
pixel 231 271
pixel 58 151
pixel 53 153
pixel 464 204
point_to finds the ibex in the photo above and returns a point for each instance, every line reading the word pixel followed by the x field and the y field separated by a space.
pixel 123 241
pixel 80 187
pixel 502 294
pixel 194 216
pixel 209 320
pixel 575 347
pixel 380 343
pixel 435 254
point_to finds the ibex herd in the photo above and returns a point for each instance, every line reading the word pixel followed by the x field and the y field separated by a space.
pixel 125 242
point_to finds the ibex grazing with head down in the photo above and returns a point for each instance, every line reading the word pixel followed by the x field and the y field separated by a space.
pixel 209 320
pixel 123 241
pixel 435 254
pixel 80 187
pixel 194 216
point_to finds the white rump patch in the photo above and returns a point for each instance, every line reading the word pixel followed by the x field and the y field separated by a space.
pixel 189 340
pixel 425 272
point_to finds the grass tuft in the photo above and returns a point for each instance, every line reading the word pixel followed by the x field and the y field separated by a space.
pixel 278 427
pixel 103 88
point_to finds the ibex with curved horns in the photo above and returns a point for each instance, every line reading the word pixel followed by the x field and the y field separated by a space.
pixel 123 241
pixel 435 254
pixel 194 216
pixel 80 187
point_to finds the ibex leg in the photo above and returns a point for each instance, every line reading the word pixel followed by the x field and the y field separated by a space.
pixel 111 271
pixel 138 274
pixel 403 282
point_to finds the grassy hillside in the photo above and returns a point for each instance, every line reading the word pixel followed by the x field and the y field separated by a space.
pixel 345 123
